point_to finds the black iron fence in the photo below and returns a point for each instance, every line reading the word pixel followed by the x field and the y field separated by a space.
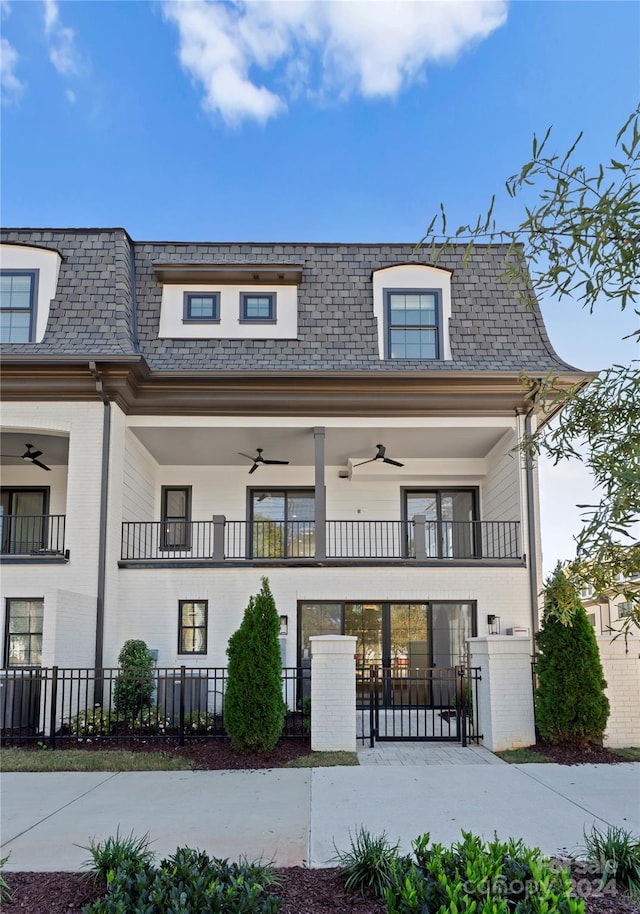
pixel 220 540
pixel 33 534
pixel 62 705
pixel 437 704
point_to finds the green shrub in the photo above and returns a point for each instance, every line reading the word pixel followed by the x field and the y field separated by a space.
pixel 470 877
pixel 199 723
pixel 254 709
pixel 5 893
pixel 150 722
pixel 369 862
pixel 571 705
pixel 108 856
pixel 616 853
pixel 189 882
pixel 91 723
pixel 134 684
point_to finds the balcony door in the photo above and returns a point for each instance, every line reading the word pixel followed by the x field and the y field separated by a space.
pixel 450 516
pixel 282 523
pixel 23 520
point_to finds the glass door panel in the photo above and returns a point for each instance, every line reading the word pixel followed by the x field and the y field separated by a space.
pixel 408 635
pixel 300 528
pixel 364 620
pixel 24 521
pixel 457 526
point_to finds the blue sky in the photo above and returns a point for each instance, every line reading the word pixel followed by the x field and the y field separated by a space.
pixel 343 121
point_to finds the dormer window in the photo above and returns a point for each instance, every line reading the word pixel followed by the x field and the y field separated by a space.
pixel 257 307
pixel 18 296
pixel 412 324
pixel 412 306
pixel 201 307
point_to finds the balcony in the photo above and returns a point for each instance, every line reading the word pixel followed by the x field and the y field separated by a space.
pixel 418 540
pixel 32 537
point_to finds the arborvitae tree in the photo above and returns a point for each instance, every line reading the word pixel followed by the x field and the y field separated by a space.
pixel 254 709
pixel 134 685
pixel 571 705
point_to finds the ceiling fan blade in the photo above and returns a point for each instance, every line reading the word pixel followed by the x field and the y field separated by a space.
pixel 248 456
pixel 12 456
pixel 362 463
pixel 253 468
pixel 41 465
pixel 31 454
pixel 395 463
pixel 283 462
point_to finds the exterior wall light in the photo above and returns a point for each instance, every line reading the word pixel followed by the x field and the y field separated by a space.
pixel 284 625
pixel 494 624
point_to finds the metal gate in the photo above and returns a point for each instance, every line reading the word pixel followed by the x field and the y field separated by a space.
pixel 436 704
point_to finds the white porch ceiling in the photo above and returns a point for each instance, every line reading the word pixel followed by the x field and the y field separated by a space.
pixel 55 448
pixel 198 446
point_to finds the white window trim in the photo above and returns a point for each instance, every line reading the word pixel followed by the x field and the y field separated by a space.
pixel 46 265
pixel 413 276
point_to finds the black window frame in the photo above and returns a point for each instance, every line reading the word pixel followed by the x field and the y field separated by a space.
pixel 31 634
pixel 439 491
pixel 245 319
pixel 185 519
pixel 189 318
pixel 182 628
pixel 8 525
pixel 33 302
pixel 437 327
pixel 276 490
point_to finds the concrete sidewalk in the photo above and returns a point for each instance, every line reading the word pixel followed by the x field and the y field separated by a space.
pixel 295 816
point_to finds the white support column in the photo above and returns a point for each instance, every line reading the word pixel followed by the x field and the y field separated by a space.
pixel 333 693
pixel 505 691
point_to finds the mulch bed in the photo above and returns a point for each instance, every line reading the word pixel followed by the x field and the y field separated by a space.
pixel 205 754
pixel 579 755
pixel 304 892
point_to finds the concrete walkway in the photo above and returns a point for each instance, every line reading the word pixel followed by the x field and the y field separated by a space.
pixel 295 816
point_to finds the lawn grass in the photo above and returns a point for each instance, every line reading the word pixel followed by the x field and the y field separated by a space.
pixel 631 752
pixel 12 760
pixel 522 756
pixel 324 760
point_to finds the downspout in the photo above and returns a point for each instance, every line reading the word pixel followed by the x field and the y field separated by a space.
pixel 102 536
pixel 531 529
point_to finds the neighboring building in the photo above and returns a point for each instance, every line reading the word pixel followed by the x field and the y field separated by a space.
pixel 212 413
pixel 609 611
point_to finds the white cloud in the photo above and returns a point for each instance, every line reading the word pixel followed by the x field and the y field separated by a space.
pixel 374 48
pixel 5 8
pixel 11 86
pixel 70 96
pixel 61 40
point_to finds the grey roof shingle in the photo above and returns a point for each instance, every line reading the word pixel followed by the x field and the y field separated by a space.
pixel 93 313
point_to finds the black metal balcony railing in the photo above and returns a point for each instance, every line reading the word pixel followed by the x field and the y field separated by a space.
pixel 222 540
pixel 36 534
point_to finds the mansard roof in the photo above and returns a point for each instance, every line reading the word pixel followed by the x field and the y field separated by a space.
pixel 109 293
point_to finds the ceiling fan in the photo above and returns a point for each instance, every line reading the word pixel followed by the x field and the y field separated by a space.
pixel 260 459
pixel 31 455
pixel 380 456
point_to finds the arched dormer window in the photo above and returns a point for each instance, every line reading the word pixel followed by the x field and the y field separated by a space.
pixel 412 304
pixel 28 282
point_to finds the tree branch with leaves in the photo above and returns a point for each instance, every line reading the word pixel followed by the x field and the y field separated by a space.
pixel 581 239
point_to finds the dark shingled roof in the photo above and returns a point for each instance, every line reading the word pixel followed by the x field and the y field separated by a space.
pixel 94 312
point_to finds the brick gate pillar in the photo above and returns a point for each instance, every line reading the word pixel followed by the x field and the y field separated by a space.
pixel 333 693
pixel 505 691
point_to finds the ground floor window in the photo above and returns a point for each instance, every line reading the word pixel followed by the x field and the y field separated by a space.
pixel 192 633
pixel 406 635
pixel 23 636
